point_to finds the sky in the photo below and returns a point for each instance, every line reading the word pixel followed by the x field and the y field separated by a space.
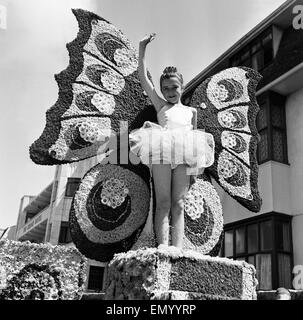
pixel 191 34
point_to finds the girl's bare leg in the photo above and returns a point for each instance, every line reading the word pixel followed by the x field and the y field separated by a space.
pixel 180 185
pixel 162 183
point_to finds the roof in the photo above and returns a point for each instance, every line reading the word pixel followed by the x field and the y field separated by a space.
pixel 281 17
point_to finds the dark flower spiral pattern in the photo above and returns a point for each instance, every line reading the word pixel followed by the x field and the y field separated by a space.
pixel 107 44
pixel 103 216
pixel 234 89
pixel 98 230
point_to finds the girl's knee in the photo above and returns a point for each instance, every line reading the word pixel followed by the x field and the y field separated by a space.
pixel 163 204
pixel 178 204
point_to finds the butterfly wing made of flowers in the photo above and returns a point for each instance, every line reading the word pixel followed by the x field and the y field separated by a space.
pixel 98 89
pixel 227 108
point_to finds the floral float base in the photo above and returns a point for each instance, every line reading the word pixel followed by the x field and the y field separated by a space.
pixel 169 273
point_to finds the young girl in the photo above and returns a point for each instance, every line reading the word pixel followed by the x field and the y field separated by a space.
pixel 174 149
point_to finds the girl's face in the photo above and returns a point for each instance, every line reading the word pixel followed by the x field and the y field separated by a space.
pixel 172 90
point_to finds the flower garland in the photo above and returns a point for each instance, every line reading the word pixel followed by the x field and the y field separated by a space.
pixel 34 281
pixel 58 271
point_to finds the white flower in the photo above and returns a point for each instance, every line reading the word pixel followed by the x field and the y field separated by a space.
pixel 220 92
pixel 226 119
pixel 114 192
pixel 227 168
pixel 126 60
pixel 229 140
pixel 194 203
pixel 105 103
pixel 90 132
pixel 113 82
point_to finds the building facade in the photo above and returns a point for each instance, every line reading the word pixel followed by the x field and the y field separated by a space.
pixel 272 239
pixel 44 218
pixel 8 233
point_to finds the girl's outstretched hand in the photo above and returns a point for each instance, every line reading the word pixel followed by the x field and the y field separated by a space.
pixel 147 39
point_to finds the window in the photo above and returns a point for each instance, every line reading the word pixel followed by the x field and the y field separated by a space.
pixel 228 242
pixel 271 124
pixel 266 235
pixel 252 238
pixel 72 186
pixel 64 236
pixel 265 242
pixel 28 217
pixel 95 278
pixel 257 54
pixel 240 240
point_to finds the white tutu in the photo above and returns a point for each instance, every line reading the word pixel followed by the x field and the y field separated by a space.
pixel 155 144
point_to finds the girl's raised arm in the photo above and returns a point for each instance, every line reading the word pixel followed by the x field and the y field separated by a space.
pixel 142 72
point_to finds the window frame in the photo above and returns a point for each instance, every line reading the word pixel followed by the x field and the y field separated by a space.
pixel 264 101
pixel 268 99
pixel 237 59
pixel 71 181
pixel 64 227
pixel 89 278
pixel 275 218
pixel 272 97
pixel 28 216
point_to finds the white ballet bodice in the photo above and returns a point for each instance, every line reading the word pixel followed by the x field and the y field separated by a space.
pixel 177 116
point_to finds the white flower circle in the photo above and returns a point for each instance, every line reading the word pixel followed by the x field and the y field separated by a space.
pixel 126 60
pixel 227 168
pixel 194 203
pixel 105 103
pixel 227 119
pixel 220 93
pixel 90 132
pixel 113 82
pixel 114 192
pixel 229 141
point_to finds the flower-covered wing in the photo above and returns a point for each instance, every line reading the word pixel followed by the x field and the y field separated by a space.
pixel 203 217
pixel 110 209
pixel 227 108
pixel 99 88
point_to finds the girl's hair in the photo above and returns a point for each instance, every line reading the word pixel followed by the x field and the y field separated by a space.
pixel 170 72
